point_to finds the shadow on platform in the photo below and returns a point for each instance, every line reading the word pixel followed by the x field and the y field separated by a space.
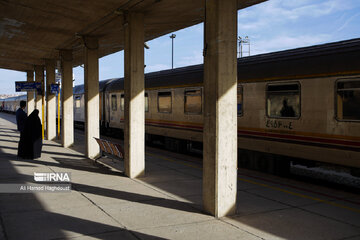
pixel 165 204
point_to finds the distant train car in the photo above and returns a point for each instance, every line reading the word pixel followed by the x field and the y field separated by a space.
pixel 79 103
pixel 11 104
pixel 301 105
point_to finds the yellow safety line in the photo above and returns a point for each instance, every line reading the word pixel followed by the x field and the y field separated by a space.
pixel 268 186
pixel 300 195
pixel 58 116
pixel 171 160
pixel 43 114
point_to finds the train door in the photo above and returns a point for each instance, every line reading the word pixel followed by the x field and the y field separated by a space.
pixel 107 109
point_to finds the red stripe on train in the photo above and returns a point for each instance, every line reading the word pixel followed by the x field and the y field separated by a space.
pixel 300 138
pixel 265 134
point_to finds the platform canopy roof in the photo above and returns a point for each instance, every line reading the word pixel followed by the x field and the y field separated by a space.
pixel 34 30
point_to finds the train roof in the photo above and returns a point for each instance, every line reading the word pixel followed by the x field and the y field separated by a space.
pixel 319 60
pixel 330 59
pixel 338 58
pixel 304 52
pixel 79 89
pixel 16 98
pixel 179 77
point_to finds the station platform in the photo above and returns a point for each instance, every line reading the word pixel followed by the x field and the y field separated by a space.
pixel 165 204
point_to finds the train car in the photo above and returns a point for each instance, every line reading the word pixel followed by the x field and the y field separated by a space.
pixel 79 103
pixel 11 104
pixel 300 105
pixel 160 111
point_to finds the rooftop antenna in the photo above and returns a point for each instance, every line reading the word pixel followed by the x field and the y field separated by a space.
pixel 243 43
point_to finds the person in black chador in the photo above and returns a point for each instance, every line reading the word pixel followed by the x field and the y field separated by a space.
pixel 31 138
pixel 287 111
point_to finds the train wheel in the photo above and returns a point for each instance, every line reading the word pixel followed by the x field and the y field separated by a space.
pixel 355 172
pixel 282 166
pixel 244 159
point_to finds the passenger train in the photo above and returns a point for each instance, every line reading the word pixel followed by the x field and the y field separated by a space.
pixel 12 104
pixel 300 106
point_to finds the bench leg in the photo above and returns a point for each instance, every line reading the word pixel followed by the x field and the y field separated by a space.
pixel 100 156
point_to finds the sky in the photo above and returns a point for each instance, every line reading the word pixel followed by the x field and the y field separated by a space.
pixel 271 26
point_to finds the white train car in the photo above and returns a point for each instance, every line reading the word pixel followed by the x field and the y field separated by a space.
pixel 12 104
pixel 301 105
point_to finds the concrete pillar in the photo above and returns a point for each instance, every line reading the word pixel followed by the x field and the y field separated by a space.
pixel 220 119
pixel 39 77
pixel 30 104
pixel 50 100
pixel 67 107
pixel 91 84
pixel 134 129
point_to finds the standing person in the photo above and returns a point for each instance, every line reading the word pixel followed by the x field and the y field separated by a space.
pixel 31 137
pixel 20 121
pixel 21 116
pixel 287 111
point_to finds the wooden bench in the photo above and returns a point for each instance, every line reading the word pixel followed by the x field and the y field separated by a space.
pixel 110 149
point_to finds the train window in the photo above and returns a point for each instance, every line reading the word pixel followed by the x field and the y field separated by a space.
pixel 77 101
pixel 348 100
pixel 240 100
pixel 164 102
pixel 283 101
pixel 113 102
pixel 122 103
pixel 146 102
pixel 192 100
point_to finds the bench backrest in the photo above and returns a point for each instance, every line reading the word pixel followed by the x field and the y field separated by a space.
pixel 102 147
pixel 110 148
pixel 107 146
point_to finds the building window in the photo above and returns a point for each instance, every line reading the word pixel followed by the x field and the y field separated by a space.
pixel 122 103
pixel 283 101
pixel 239 100
pixel 146 102
pixel 192 100
pixel 348 100
pixel 164 102
pixel 77 101
pixel 113 102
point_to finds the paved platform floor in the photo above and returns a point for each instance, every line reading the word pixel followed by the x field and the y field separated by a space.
pixel 165 204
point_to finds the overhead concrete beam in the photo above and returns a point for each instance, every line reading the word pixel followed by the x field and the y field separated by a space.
pixel 34 30
pixel 16 66
pixel 26 60
pixel 91 84
pixel 220 110
pixel 134 129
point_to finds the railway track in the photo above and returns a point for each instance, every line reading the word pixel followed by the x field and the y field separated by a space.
pixel 328 176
